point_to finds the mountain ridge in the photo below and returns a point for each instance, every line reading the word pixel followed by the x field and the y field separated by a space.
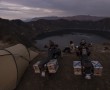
pixel 70 18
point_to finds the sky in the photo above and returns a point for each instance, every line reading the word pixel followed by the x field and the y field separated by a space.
pixel 24 9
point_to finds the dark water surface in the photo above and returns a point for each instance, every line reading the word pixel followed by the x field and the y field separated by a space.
pixel 64 39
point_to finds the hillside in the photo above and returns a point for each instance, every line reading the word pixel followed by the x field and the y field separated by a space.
pixel 61 23
pixel 14 31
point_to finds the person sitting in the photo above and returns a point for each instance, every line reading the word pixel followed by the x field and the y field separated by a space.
pixel 83 42
pixel 54 52
pixel 72 47
pixel 51 51
pixel 83 48
pixel 57 52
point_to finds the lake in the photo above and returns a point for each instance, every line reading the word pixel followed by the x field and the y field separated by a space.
pixel 64 39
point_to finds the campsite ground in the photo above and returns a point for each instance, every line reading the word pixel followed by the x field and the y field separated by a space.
pixel 65 79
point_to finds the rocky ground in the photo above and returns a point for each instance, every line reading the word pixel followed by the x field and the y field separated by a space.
pixel 65 79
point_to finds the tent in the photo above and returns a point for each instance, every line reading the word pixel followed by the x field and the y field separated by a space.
pixel 13 62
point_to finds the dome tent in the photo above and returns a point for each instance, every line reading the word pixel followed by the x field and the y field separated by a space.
pixel 13 62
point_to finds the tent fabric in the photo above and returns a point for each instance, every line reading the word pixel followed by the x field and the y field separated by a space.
pixel 17 49
pixel 8 73
pixel 3 52
pixel 33 54
pixel 13 63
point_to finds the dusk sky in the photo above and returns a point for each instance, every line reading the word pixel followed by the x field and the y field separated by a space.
pixel 21 9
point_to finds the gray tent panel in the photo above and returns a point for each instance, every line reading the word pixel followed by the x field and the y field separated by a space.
pixel 19 49
pixel 33 54
pixel 13 63
pixel 8 73
pixel 22 64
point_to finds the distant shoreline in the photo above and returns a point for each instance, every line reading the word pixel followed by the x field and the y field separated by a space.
pixel 104 34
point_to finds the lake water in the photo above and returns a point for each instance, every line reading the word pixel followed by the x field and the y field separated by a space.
pixel 63 40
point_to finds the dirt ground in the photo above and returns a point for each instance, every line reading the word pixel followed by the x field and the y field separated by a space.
pixel 65 79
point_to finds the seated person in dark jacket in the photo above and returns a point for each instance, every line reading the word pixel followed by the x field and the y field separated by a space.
pixel 83 42
pixel 51 51
pixel 57 51
pixel 83 48
pixel 54 52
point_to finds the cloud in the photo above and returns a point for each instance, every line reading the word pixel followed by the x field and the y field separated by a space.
pixel 22 11
pixel 33 8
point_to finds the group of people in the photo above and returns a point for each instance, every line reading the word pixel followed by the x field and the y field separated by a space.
pixel 54 51
pixel 81 51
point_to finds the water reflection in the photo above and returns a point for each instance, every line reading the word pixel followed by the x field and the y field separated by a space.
pixel 63 40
